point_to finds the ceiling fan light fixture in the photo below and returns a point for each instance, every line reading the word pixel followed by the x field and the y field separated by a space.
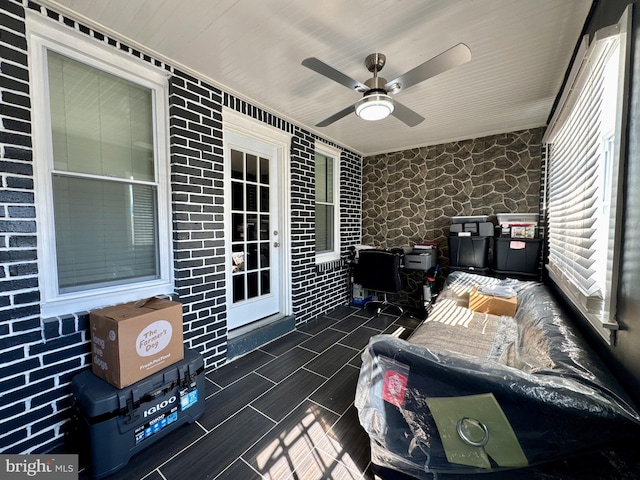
pixel 375 106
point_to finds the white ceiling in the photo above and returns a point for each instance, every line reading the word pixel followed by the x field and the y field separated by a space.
pixel 253 48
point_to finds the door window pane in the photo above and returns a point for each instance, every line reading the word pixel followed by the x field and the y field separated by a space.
pixel 252 285
pixel 237 227
pixel 238 288
pixel 252 227
pixel 264 198
pixel 264 227
pixel 237 258
pixel 237 196
pixel 264 171
pixel 252 197
pixel 264 255
pixel 265 286
pixel 252 168
pixel 237 165
pixel 252 256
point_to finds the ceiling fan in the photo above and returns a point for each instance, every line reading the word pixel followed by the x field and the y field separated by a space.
pixel 376 102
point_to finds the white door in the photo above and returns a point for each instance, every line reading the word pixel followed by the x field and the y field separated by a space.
pixel 253 264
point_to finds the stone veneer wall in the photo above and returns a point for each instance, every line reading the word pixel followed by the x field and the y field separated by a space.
pixel 410 196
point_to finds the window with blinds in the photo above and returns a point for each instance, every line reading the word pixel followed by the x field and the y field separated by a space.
pixel 103 177
pixel 326 206
pixel 584 167
pixel 99 133
pixel 324 203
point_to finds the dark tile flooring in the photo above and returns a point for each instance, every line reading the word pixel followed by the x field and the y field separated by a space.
pixel 283 411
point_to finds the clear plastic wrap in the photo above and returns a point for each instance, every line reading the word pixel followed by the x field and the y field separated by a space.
pixel 551 398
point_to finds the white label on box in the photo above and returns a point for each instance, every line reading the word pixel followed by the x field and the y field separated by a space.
pixel 154 338
pixel 514 245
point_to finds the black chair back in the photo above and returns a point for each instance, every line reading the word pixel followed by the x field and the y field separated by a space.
pixel 379 270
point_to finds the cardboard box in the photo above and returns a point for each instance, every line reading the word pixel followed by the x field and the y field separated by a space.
pixel 134 340
pixel 494 305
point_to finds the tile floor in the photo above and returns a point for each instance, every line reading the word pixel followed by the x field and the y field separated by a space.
pixel 283 411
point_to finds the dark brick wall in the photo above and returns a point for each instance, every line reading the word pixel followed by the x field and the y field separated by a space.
pixel 39 356
pixel 197 202
pixel 302 213
pixel 32 370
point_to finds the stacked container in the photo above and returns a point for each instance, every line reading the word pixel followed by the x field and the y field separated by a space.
pixel 517 249
pixel 470 243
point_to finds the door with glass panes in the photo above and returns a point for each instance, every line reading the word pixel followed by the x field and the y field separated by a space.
pixel 253 264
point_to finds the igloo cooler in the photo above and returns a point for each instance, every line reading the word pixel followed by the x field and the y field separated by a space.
pixel 115 424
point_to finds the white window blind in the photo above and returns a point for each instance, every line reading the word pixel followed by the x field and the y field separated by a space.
pixel 105 233
pixel 584 163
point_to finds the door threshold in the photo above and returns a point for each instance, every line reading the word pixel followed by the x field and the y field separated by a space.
pixel 245 339
pixel 244 329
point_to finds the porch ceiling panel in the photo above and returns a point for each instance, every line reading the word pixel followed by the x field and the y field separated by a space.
pixel 254 49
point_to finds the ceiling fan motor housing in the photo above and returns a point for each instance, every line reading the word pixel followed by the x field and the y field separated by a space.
pixel 376 85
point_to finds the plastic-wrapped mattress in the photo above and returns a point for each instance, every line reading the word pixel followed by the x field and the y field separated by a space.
pixel 432 406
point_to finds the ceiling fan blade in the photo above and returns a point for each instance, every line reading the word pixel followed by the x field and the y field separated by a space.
pixel 336 116
pixel 406 115
pixel 440 63
pixel 330 72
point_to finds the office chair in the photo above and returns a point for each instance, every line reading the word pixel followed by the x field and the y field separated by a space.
pixel 379 270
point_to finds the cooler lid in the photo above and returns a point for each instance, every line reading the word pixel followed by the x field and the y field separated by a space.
pixel 470 219
pixel 98 397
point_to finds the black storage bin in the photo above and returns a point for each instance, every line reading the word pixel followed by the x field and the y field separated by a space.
pixel 469 253
pixel 517 255
pixel 114 424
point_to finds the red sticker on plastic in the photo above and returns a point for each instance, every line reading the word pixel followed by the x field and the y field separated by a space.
pixel 394 387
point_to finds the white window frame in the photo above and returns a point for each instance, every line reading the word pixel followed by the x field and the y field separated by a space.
pixel 599 312
pixel 331 255
pixel 44 35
